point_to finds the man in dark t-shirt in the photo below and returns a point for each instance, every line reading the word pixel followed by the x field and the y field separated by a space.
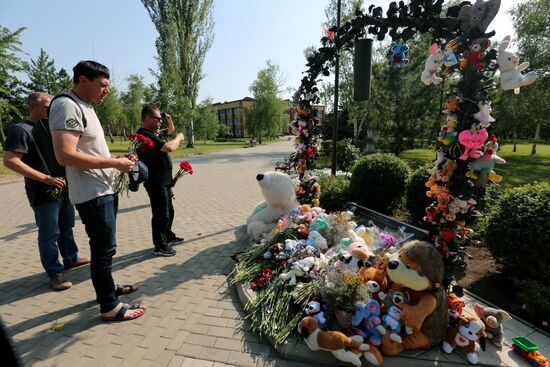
pixel 54 218
pixel 159 182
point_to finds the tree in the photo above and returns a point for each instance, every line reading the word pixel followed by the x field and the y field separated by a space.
pixel 532 22
pixel 12 103
pixel 111 113
pixel 44 77
pixel 264 118
pixel 133 101
pixel 185 34
pixel 206 121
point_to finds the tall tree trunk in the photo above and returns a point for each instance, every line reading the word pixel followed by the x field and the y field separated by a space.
pixel 2 136
pixel 514 137
pixel 190 134
pixel 537 137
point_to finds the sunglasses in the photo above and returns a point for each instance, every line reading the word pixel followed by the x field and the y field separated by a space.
pixel 156 118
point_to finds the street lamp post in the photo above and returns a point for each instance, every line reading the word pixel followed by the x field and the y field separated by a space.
pixel 336 78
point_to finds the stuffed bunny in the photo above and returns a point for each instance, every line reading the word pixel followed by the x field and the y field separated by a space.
pixel 432 66
pixel 510 71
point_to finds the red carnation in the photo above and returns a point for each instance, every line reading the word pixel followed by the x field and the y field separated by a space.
pixel 185 168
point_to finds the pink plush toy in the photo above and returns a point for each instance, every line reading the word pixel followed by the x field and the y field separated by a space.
pixel 472 141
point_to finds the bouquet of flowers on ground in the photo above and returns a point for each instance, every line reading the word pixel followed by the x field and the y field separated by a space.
pixel 185 168
pixel 138 142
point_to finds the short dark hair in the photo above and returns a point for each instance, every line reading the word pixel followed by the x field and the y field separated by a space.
pixel 91 70
pixel 148 110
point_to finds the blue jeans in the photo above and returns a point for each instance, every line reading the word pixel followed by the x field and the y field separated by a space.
pixel 99 218
pixel 55 221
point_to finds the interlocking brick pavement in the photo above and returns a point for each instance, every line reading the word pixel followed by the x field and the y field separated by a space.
pixel 194 317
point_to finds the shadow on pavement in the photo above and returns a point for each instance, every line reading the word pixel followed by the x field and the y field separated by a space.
pixel 28 228
pixel 214 260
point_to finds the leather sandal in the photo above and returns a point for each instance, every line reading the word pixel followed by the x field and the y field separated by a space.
pixel 124 289
pixel 120 314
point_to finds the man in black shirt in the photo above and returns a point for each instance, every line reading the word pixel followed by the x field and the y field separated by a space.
pixel 159 182
pixel 54 218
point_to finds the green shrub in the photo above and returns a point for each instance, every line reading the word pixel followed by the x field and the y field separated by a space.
pixel 379 181
pixel 346 154
pixel 415 195
pixel 334 192
pixel 484 206
pixel 518 232
pixel 532 301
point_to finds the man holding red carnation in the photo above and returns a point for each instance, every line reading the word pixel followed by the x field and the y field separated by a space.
pixel 159 182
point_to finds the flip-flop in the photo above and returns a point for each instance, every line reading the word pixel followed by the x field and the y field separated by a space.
pixel 124 289
pixel 120 314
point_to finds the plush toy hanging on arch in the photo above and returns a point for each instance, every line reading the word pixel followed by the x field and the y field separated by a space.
pixel 399 55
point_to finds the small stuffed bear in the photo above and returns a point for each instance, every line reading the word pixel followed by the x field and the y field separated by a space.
pixel 280 199
pixel 476 53
pixel 466 334
pixel 510 72
pixel 492 318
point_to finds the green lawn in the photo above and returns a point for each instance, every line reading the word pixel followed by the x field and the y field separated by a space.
pixel 200 147
pixel 521 167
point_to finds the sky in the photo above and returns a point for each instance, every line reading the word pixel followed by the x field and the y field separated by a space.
pixel 120 35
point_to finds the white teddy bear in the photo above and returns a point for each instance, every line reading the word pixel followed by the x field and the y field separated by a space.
pixel 510 71
pixel 280 199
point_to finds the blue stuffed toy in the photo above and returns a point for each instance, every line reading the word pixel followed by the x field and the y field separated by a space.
pixel 398 57
pixel 367 318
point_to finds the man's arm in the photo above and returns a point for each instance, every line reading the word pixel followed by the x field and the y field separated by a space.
pixel 66 153
pixel 171 127
pixel 12 160
pixel 173 144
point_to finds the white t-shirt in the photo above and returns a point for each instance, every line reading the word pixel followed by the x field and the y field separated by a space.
pixel 84 184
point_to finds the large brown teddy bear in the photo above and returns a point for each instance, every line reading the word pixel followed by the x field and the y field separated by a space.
pixel 418 270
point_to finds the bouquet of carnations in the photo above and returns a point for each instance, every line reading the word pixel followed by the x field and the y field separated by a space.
pixel 185 168
pixel 138 142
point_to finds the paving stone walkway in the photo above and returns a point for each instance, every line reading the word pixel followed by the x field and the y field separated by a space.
pixel 194 316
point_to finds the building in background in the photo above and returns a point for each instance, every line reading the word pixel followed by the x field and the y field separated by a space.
pixel 231 114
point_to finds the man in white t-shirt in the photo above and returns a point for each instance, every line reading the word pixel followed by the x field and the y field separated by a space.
pixel 80 145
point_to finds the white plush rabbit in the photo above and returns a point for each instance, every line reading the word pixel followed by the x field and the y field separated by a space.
pixel 432 66
pixel 510 71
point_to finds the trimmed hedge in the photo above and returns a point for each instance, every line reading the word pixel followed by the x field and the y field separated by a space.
pixel 416 200
pixel 518 232
pixel 379 181
pixel 334 192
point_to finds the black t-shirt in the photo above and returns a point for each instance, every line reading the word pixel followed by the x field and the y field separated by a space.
pixel 19 140
pixel 158 162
